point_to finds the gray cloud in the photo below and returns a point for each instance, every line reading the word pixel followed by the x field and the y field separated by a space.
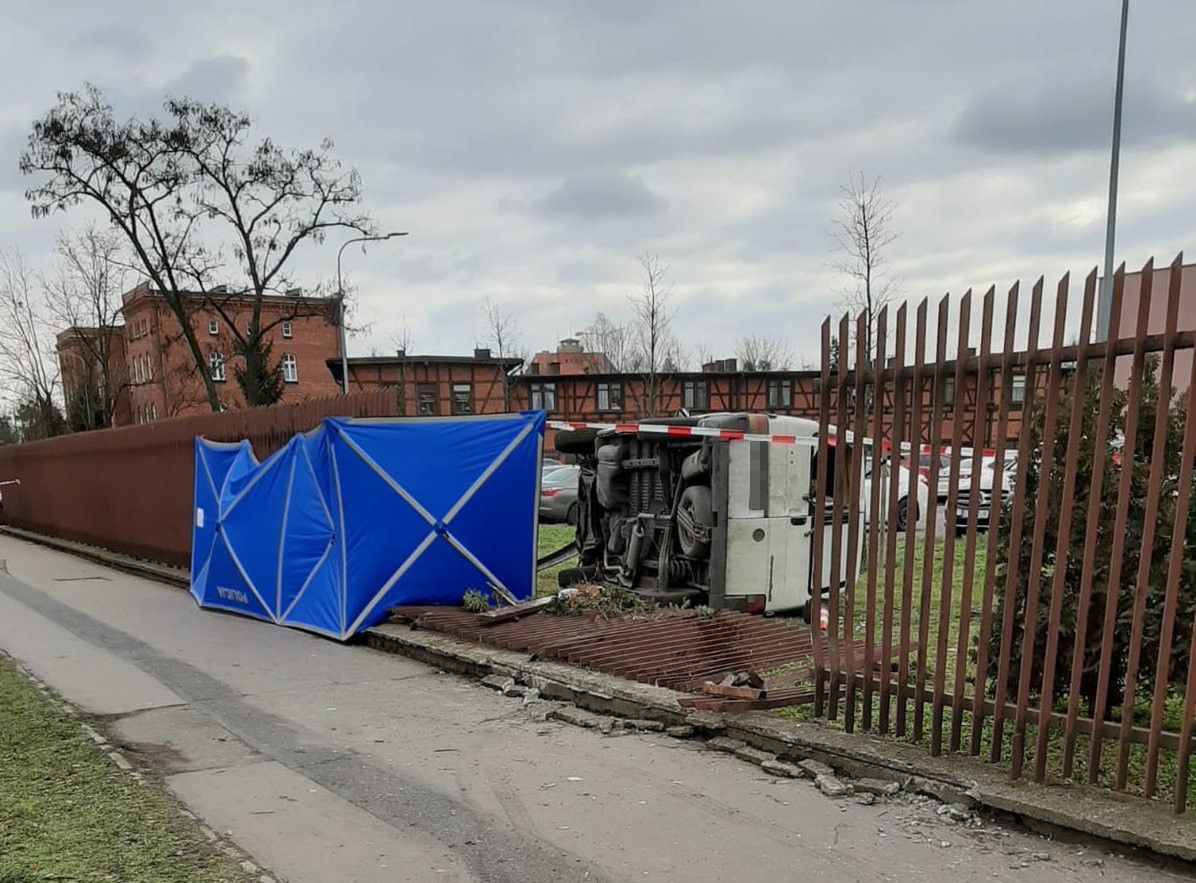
pixel 220 78
pixel 1069 114
pixel 534 147
pixel 601 194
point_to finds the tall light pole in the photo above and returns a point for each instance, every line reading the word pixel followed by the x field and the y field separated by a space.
pixel 340 289
pixel 1106 293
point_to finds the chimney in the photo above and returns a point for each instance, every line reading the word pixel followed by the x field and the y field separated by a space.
pixel 730 365
pixel 709 367
pixel 402 354
pixel 569 345
pixel 481 353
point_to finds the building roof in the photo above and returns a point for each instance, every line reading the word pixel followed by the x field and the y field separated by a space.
pixel 510 363
pixel 146 290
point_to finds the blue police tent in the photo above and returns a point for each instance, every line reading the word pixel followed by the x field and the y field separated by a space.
pixel 363 514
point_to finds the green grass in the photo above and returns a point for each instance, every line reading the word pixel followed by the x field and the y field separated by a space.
pixel 68 813
pixel 1167 767
pixel 552 537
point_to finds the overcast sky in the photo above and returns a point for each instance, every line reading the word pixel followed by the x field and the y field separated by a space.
pixel 533 149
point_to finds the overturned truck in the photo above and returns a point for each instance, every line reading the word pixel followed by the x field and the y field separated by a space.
pixel 680 517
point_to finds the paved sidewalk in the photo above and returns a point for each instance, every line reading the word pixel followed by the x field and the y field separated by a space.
pixel 338 762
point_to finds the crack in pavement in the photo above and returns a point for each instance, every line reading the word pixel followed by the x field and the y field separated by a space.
pixel 496 852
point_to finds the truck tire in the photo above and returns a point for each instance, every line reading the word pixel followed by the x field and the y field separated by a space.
pixel 695 517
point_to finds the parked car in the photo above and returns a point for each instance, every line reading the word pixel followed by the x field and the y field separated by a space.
pixel 547 464
pixel 558 494
pixel 986 500
pixel 924 461
pixel 921 500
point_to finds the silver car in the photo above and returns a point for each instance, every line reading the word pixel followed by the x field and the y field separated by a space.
pixel 558 494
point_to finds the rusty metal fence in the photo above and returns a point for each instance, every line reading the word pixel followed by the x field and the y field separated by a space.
pixel 130 489
pixel 1039 611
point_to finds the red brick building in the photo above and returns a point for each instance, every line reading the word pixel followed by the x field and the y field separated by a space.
pixel 164 382
pixel 570 358
pixel 159 374
pixel 437 385
pixel 85 382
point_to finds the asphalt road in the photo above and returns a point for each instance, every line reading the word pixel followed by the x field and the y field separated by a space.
pixel 340 763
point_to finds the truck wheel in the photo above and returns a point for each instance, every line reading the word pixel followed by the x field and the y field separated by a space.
pixel 695 517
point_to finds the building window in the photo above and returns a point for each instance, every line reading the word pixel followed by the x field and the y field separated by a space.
pixel 290 368
pixel 462 398
pixel 427 400
pixel 610 396
pixel 948 391
pixel 1017 390
pixel 153 412
pixel 780 393
pixel 213 328
pixel 149 367
pixel 543 396
pixel 695 395
pixel 287 331
pixel 554 367
pixel 216 365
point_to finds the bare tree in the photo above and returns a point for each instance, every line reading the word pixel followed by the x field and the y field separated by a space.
pixel 653 347
pixel 502 333
pixel 84 297
pixel 132 171
pixel 758 352
pixel 272 202
pixel 400 339
pixel 187 192
pixel 864 232
pixel 27 358
pixel 604 336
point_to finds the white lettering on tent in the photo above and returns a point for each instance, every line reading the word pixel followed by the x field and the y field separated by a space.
pixel 232 595
pixel 199 516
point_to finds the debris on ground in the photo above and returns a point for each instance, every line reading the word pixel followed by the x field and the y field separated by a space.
pixel 781 768
pixel 723 743
pixel 684 731
pixel 606 601
pixel 877 787
pixel 501 683
pixel 815 768
pixel 944 792
pixel 754 755
pixel 648 726
pixel 737 685
pixel 831 786
pixel 570 715
pixel 954 814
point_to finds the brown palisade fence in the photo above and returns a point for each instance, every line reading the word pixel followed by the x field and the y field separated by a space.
pixel 1039 610
pixel 131 489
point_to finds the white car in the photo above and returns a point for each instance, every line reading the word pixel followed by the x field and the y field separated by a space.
pixel 985 504
pixel 921 500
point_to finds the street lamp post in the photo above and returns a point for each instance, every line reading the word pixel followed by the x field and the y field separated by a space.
pixel 340 289
pixel 1105 302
